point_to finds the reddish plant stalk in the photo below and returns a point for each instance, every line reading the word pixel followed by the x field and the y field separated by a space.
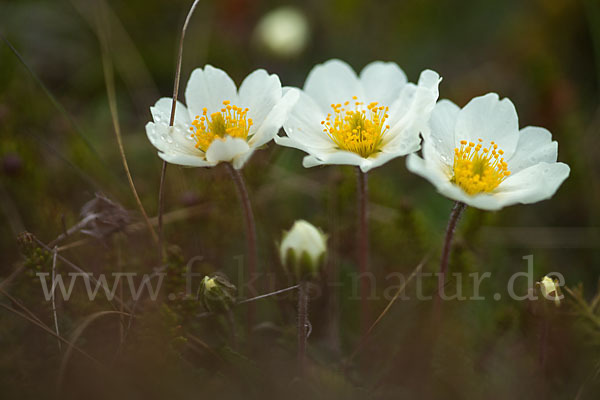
pixel 363 247
pixel 251 252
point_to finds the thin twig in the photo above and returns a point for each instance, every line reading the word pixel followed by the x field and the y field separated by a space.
pixel 54 101
pixel 75 228
pixel 262 296
pixel 163 171
pixel 21 306
pixel 112 103
pixel 76 334
pixel 50 332
pixel 173 216
pixel 78 269
pixel 415 272
pixel 55 316
pixel 302 326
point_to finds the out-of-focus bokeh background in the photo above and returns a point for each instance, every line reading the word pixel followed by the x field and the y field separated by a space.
pixel 58 148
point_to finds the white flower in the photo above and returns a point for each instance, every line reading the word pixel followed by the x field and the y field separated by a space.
pixel 366 120
pixel 478 156
pixel 284 32
pixel 302 250
pixel 220 123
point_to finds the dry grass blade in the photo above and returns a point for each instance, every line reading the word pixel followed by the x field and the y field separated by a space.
pixel 112 102
pixel 73 338
pixel 11 212
pixel 80 270
pixel 21 306
pixel 163 172
pixel 54 313
pixel 50 332
pixel 416 271
pixel 4 284
pixel 54 101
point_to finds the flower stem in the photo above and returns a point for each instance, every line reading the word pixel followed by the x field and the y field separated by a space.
pixel 250 231
pixel 302 325
pixel 363 247
pixel 455 215
pixel 161 207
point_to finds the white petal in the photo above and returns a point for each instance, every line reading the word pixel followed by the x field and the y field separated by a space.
pixel 491 119
pixel 425 169
pixel 226 149
pixel 535 145
pixel 304 124
pixel 382 82
pixel 209 88
pixel 161 113
pixel 260 92
pixel 186 160
pixel 533 184
pixel 379 159
pixel 239 161
pixel 332 82
pixel 275 118
pixel 289 142
pixel 339 157
pixel 442 124
pixel 170 139
pixel 410 114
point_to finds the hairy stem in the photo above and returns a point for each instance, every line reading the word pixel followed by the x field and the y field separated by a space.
pixel 455 215
pixel 238 179
pixel 302 325
pixel 363 247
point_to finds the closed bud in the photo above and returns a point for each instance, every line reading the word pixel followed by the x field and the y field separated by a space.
pixel 217 293
pixel 303 250
pixel 550 290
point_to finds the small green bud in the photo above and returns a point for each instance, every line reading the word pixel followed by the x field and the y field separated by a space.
pixel 303 250
pixel 217 293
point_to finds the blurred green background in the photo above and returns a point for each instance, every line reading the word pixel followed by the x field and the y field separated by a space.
pixel 58 148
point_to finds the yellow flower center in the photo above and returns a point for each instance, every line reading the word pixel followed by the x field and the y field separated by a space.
pixel 478 169
pixel 357 130
pixel 230 121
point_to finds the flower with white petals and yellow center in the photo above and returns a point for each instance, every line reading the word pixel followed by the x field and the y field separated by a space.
pixel 230 121
pixel 478 169
pixel 478 156
pixel 357 130
pixel 220 122
pixel 365 120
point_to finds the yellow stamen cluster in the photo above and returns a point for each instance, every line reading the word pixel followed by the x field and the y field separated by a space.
pixel 478 169
pixel 359 131
pixel 231 121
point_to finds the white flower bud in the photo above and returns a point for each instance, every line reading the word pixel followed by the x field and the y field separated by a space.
pixel 550 290
pixel 303 249
pixel 283 32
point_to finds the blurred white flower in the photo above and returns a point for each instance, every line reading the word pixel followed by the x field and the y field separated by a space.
pixel 284 32
pixel 303 248
pixel 220 123
pixel 478 156
pixel 366 120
